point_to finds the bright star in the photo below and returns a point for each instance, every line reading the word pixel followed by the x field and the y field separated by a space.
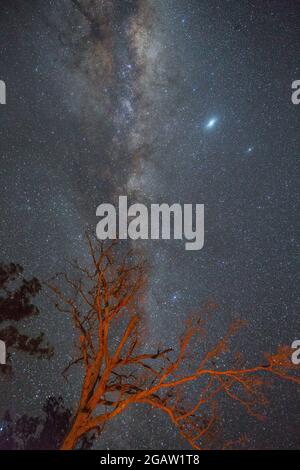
pixel 211 123
pixel 249 149
pixel 175 296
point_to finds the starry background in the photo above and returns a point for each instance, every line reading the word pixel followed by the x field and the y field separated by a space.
pixel 166 101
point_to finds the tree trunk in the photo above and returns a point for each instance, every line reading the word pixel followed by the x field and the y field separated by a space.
pixel 70 441
pixel 73 435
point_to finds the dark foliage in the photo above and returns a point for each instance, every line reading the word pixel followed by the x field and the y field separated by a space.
pixel 40 433
pixel 45 432
pixel 16 294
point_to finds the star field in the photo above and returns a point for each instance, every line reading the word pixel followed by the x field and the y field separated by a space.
pixel 163 101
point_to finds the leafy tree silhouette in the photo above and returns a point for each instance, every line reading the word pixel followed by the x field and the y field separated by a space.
pixel 27 432
pixel 16 295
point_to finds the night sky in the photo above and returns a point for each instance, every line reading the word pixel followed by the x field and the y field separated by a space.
pixel 170 101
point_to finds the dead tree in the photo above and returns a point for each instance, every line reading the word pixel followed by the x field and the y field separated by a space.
pixel 104 301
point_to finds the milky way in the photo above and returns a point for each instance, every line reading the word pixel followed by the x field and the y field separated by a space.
pixel 162 101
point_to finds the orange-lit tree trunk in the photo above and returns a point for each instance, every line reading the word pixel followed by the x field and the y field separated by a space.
pixel 73 436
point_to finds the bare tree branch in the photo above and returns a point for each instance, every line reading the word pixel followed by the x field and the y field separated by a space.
pixel 104 303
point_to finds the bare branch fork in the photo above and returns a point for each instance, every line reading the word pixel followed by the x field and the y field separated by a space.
pixel 104 301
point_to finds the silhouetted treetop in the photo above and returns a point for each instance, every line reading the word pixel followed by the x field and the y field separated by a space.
pixel 16 294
